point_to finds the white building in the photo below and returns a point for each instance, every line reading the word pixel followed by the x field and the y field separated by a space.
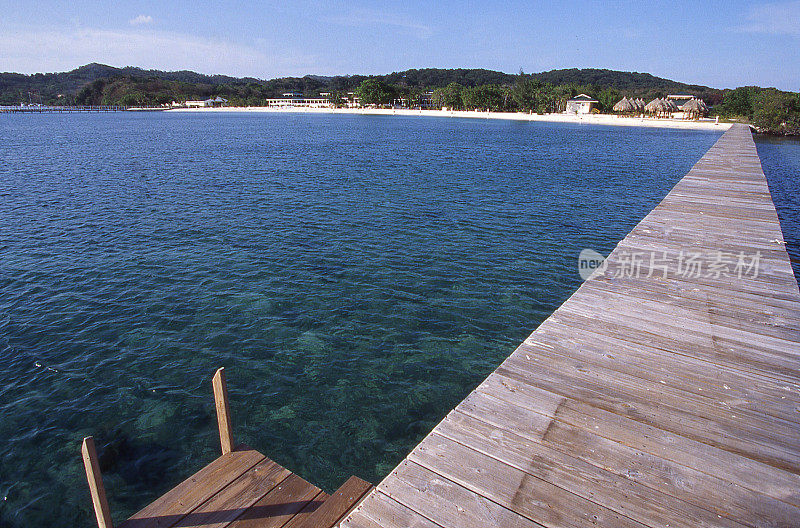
pixel 680 100
pixel 207 103
pixel 580 104
pixel 307 102
pixel 352 101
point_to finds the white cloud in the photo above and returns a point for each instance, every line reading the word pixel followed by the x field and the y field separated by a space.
pixel 774 19
pixel 141 20
pixel 36 50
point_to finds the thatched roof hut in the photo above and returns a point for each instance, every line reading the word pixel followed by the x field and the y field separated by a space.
pixel 692 105
pixel 695 108
pixel 653 106
pixel 625 105
pixel 658 106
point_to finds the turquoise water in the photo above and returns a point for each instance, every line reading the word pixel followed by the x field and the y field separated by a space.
pixel 357 276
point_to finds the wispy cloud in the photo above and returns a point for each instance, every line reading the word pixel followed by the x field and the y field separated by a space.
pixel 376 19
pixel 141 20
pixel 36 50
pixel 773 19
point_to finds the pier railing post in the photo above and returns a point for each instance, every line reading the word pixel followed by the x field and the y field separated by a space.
pixel 223 411
pixel 96 487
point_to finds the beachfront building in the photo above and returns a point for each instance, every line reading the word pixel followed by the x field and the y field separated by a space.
pixel 423 101
pixel 680 100
pixel 426 100
pixel 580 104
pixel 207 103
pixel 352 100
pixel 299 101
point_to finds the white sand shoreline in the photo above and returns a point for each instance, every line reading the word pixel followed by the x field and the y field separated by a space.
pixel 593 119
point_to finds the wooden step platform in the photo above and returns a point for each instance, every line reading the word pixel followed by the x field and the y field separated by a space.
pixel 240 489
pixel 245 489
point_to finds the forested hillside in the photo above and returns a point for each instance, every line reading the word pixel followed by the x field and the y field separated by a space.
pixel 137 86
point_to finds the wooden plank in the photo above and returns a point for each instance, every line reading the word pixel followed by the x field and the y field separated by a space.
pixel 307 511
pixel 526 494
pixel 733 430
pixel 785 301
pixel 337 505
pixel 747 473
pixel 705 347
pixel 355 502
pixel 769 421
pixel 359 520
pixel 171 507
pixel 384 511
pixel 750 320
pixel 625 497
pixel 714 384
pixel 220 386
pixel 232 501
pixel 447 503
pixel 696 299
pixel 280 505
pixel 96 488
pixel 569 457
pixel 773 278
pixel 778 349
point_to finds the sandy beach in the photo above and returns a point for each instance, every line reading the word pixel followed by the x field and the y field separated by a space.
pixel 590 119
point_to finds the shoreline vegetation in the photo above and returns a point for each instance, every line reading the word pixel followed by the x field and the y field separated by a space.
pixel 767 110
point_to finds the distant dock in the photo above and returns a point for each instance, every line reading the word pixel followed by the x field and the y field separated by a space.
pixel 41 109
pixel 664 392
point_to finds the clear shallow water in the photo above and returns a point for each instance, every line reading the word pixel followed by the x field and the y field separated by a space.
pixel 357 276
pixel 780 159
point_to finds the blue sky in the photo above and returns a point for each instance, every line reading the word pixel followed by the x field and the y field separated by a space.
pixel 721 44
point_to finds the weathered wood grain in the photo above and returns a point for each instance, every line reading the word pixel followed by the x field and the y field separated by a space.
pixel 96 488
pixel 335 506
pixel 233 500
pixel 280 505
pixel 181 500
pixel 220 386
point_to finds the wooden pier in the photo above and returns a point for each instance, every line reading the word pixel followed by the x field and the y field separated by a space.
pixel 240 489
pixel 42 109
pixel 664 393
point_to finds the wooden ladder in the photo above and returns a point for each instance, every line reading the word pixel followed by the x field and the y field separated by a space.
pixel 240 489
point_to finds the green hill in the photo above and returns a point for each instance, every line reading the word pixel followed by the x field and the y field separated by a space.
pixel 634 83
pixel 98 83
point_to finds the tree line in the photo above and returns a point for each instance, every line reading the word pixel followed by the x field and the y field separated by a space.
pixel 767 109
pixel 525 94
